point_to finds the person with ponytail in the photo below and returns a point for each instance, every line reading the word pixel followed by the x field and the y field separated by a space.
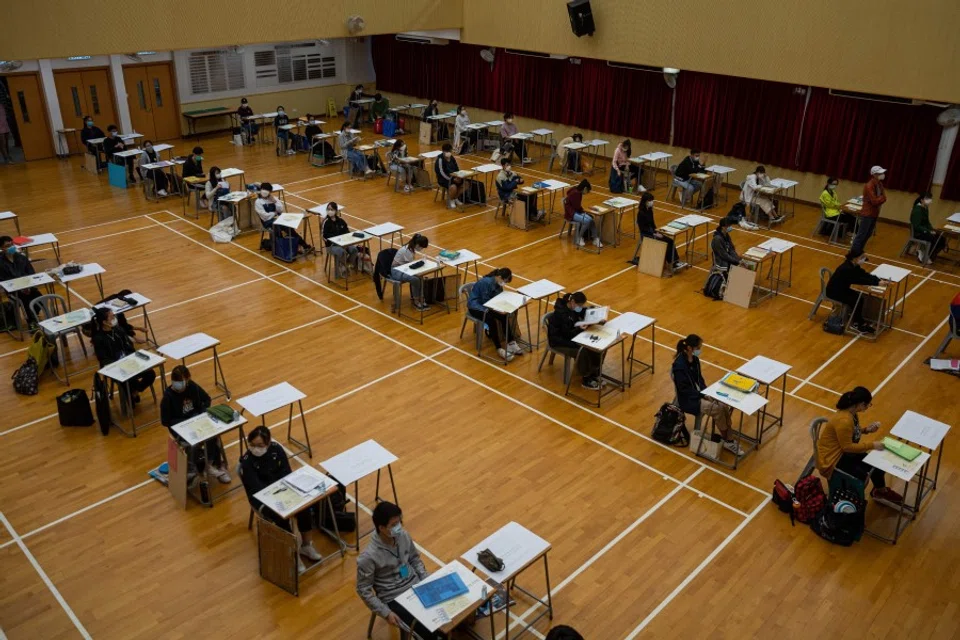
pixel 923 230
pixel 689 383
pixel 113 340
pixel 405 255
pixel 840 445
pixel 485 289
pixel 567 312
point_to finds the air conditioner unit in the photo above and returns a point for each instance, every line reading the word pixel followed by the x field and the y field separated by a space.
pixel 422 40
pixel 536 54
pixel 874 97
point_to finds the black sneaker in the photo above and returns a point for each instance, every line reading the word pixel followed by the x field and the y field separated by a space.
pixel 865 328
pixel 634 262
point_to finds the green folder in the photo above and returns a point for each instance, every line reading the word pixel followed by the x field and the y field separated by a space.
pixel 902 449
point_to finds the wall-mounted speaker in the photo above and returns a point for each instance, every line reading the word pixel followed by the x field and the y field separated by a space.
pixel 581 17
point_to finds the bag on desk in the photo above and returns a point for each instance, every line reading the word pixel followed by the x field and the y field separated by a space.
pixel 73 407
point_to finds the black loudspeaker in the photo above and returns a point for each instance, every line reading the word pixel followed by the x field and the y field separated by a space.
pixel 581 17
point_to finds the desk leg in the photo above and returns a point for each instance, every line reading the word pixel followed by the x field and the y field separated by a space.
pixel 304 447
pixel 148 328
pixel 546 574
pixel 219 380
pixel 99 280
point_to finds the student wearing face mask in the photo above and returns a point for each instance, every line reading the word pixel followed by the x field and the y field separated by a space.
pixel 216 187
pixel 149 156
pixel 874 195
pixel 687 167
pixel 460 133
pixel 193 166
pixel 268 208
pixel 185 399
pixel 112 342
pixel 263 463
pixel 14 264
pixel 573 213
pixel 751 196
pixel 405 255
pixel 402 170
pixel 380 106
pixel 569 160
pixel 830 202
pixel 432 109
pixel 356 110
pixel 444 167
pixel 689 383
pixel 283 135
pixel 334 225
pixel 389 565
pixel 348 142
pixel 849 273
pixel 724 251
pixel 113 144
pixel 507 129
pixel 484 290
pixel 90 131
pixel 648 229
pixel 251 128
pixel 923 230
pixel 622 172
pixel 567 312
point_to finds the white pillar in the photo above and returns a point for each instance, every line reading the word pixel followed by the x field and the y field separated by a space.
pixel 123 108
pixel 49 88
pixel 947 139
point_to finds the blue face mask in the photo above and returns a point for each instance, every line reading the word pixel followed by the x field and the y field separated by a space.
pixel 729 229
pixel 578 308
pixel 12 250
pixel 697 352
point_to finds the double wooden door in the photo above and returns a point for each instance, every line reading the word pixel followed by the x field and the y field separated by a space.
pixel 30 113
pixel 85 93
pixel 153 106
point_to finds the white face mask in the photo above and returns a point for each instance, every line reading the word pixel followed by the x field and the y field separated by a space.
pixel 881 176
pixel 264 194
pixel 149 147
pixel 280 111
pixel 447 154
pixel 927 202
pixel 832 187
pixel 113 322
pixel 331 213
pixel 396 530
pixel 258 451
pixel 178 385
pixel 650 204
pixel 218 176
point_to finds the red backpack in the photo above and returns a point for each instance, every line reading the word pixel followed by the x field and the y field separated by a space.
pixel 809 498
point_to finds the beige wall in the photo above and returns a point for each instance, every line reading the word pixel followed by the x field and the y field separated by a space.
pixel 811 185
pixel 907 49
pixel 62 28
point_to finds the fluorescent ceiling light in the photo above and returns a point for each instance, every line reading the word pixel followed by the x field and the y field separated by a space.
pixel 78 58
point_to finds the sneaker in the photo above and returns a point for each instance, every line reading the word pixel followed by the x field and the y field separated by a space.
pixel 220 473
pixel 421 306
pixel 162 193
pixel 514 348
pixel 406 188
pixel 367 171
pixel 527 161
pixel 579 242
pixel 291 152
pixel 887 494
pixel 597 243
pixel 921 257
pixel 746 224
pixel 776 218
pixel 863 327
pixel 506 355
pixel 634 262
pixel 452 204
pixel 300 566
pixel 591 384
pixel 309 551
pixel 733 447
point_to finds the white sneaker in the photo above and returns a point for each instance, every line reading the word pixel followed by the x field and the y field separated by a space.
pixel 310 552
pixel 220 473
pixel 527 161
pixel 291 152
pixel 367 171
pixel 733 447
pixel 406 188
pixel 162 193
pixel 746 224
pixel 597 243
pixel 579 242
pixel 506 355
pixel 514 348
pixel 300 566
pixel 452 204
pixel 921 257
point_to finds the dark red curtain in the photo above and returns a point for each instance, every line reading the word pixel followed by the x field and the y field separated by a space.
pixel 749 119
pixel 951 182
pixel 591 95
pixel 844 137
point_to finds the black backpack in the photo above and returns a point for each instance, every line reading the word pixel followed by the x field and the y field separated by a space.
pixel 834 324
pixel 101 397
pixel 669 426
pixel 841 521
pixel 738 211
pixel 714 286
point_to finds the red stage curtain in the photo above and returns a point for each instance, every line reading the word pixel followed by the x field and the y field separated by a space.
pixel 749 119
pixel 844 137
pixel 951 182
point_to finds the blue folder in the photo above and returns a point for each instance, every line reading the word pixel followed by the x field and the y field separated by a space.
pixel 440 590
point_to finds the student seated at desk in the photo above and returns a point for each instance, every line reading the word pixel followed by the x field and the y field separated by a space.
pixel 216 187
pixel 89 132
pixel 348 142
pixel 724 251
pixel 334 225
pixel 507 183
pixel 264 463
pixel 113 144
pixel 251 128
pixel 567 312
pixel 648 229
pixel 432 109
pixel 388 566
pixel 356 110
pixel 507 129
pixel 269 208
pixel 314 129
pixel 460 133
pixel 405 255
pixel 840 446
pixel 403 171
pixel 832 208
pixel 193 165
pixel 622 172
pixel 185 399
pixel 379 107
pixel 14 264
pixel 569 160
pixel 757 180
pixel 690 165
pixel 280 120
pixel 688 381
pixel 445 166
pixel 485 289
pixel 923 230
pixel 849 273
pixel 573 213
pixel 149 156
pixel 111 342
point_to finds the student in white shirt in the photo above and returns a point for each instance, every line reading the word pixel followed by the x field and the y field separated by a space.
pixel 403 171
pixel 407 254
pixel 149 156
pixel 215 188
pixel 460 129
pixel 750 196
pixel 269 208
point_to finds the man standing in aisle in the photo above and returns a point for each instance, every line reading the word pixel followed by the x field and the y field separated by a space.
pixel 874 196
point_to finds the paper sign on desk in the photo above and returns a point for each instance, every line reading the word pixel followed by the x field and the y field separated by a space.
pixel 921 430
pixel 304 481
pixel 200 429
pixel 284 499
pixel 506 302
pixel 777 245
pixel 954 218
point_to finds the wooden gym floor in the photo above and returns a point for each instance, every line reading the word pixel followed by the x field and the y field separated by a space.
pixel 647 541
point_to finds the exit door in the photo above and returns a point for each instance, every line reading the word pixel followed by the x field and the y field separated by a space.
pixel 150 95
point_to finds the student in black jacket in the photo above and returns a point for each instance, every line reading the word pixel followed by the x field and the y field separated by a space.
pixel 648 229
pixel 251 128
pixel 112 342
pixel 112 145
pixel 847 274
pixel 689 165
pixel 431 109
pixel 688 382
pixel 334 225
pixel 91 132
pixel 193 166
pixel 446 165
pixel 724 252
pixel 14 264
pixel 264 463
pixel 281 120
pixel 185 399
pixel 567 312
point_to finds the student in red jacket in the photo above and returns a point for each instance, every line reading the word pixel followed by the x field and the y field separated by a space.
pixel 874 196
pixel 573 212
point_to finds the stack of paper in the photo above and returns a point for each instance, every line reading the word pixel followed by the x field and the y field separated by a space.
pixel 676 224
pixel 756 253
pixel 945 365
pixel 902 449
pixel 739 382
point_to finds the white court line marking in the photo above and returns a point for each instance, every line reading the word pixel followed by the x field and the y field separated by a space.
pixel 609 277
pixel 319 177
pixel 693 574
pixel 46 579
pixel 456 220
pixel 94 239
pixel 916 350
pixel 322 186
pixel 599 554
pixel 825 364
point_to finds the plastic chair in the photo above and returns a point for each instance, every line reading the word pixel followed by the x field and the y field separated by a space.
pixel 925 245
pixel 838 478
pixel 825 275
pixel 438 190
pixel 676 183
pixel 838 228
pixel 52 305
pixel 464 292
pixel 953 333
pixel 552 352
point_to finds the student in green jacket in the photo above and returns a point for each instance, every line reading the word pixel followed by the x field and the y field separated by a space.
pixel 923 230
pixel 380 106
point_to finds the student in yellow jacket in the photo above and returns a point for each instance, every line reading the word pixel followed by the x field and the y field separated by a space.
pixel 840 445
pixel 831 207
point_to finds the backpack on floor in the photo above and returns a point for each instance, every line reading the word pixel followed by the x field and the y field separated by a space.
pixel 841 521
pixel 669 426
pixel 707 201
pixel 73 408
pixel 476 192
pixel 714 286
pixel 809 498
pixel 26 379
pixel 738 211
pixel 782 496
pixel 101 398
pixel 834 324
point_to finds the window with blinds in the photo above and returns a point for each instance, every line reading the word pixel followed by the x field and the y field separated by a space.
pixel 291 63
pixel 215 71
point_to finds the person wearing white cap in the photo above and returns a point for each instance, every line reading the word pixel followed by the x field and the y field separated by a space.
pixel 874 196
